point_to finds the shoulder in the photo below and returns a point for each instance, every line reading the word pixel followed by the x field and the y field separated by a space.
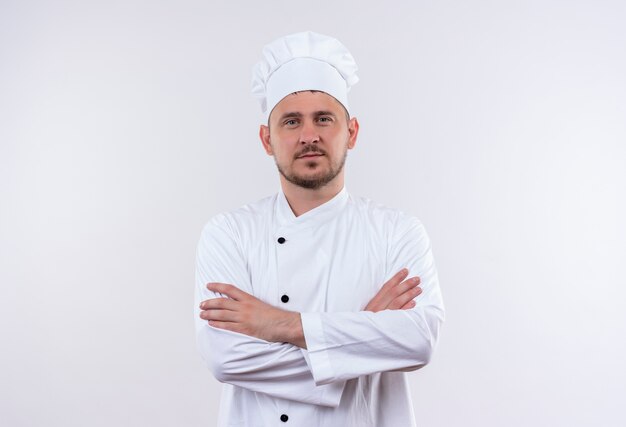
pixel 389 219
pixel 401 232
pixel 238 221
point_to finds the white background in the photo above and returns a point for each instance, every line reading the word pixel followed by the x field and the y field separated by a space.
pixel 125 125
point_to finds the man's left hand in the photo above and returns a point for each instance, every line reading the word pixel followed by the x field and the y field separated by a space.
pixel 245 314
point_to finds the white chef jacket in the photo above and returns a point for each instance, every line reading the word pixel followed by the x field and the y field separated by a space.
pixel 332 261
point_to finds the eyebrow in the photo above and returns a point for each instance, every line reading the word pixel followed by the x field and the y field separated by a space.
pixel 324 113
pixel 290 115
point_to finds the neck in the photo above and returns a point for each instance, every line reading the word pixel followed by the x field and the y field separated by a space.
pixel 301 200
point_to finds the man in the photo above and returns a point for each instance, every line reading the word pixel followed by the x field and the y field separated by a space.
pixel 304 305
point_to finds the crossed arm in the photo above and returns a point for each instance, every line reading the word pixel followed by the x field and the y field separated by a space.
pixel 245 314
pixel 256 346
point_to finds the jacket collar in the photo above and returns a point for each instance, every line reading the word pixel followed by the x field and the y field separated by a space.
pixel 285 216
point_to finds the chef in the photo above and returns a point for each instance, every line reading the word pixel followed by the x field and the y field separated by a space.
pixel 312 304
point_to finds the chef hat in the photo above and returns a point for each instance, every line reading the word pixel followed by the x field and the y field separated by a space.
pixel 303 61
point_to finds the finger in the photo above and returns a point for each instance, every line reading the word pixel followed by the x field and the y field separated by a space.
pixel 220 315
pixel 404 286
pixel 404 298
pixel 407 284
pixel 219 303
pixel 382 297
pixel 408 305
pixel 228 326
pixel 396 278
pixel 391 294
pixel 385 295
pixel 227 289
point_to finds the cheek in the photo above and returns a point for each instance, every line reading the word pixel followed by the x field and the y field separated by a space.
pixel 335 134
pixel 283 155
pixel 285 149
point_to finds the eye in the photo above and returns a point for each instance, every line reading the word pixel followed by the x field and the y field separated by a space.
pixel 325 119
pixel 290 122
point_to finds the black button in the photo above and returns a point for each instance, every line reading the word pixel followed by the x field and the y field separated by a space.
pixel 281 240
pixel 284 418
pixel 284 298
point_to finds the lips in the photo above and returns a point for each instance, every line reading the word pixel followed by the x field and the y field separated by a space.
pixel 310 155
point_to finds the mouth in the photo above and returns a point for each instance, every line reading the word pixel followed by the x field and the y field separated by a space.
pixel 310 155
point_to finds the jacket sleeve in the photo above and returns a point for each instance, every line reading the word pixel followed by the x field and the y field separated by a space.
pixel 341 346
pixel 276 369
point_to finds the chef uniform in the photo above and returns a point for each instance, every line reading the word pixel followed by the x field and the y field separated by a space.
pixel 327 264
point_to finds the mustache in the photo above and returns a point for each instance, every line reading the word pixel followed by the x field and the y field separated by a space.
pixel 310 149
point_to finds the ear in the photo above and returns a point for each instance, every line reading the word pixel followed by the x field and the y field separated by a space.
pixel 264 134
pixel 353 130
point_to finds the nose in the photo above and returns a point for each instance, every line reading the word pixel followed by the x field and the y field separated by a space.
pixel 309 133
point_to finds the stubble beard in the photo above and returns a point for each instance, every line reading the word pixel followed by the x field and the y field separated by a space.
pixel 314 182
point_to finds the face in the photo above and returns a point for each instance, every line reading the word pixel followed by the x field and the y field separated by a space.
pixel 309 136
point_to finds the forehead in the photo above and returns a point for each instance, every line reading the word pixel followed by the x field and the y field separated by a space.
pixel 306 102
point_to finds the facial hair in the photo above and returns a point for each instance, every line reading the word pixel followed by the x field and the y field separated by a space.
pixel 315 182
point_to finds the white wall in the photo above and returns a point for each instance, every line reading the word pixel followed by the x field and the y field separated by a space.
pixel 125 125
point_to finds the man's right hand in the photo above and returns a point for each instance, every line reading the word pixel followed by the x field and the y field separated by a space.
pixel 396 294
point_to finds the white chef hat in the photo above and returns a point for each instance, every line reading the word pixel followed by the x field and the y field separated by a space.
pixel 303 61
